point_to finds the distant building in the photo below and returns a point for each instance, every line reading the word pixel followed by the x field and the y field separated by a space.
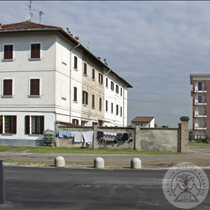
pixel 147 122
pixel 47 75
pixel 201 104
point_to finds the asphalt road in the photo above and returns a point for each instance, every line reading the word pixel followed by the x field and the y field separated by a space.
pixel 86 189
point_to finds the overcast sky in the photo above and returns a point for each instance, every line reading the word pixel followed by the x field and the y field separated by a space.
pixel 154 46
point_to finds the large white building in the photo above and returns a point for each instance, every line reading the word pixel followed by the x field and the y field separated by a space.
pixel 47 75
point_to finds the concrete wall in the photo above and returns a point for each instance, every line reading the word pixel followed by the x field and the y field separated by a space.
pixel 142 139
pixel 159 139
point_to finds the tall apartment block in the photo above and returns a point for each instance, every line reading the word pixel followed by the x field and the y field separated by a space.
pixel 201 104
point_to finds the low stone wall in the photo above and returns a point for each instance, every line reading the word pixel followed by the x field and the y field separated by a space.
pixel 21 142
pixel 159 139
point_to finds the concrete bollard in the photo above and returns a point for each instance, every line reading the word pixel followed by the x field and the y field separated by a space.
pixel 135 163
pixel 99 162
pixel 59 162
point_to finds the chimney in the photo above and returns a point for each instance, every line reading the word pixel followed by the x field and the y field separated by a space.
pixel 0 26
pixel 76 37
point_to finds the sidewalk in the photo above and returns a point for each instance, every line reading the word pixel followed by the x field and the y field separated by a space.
pixel 111 160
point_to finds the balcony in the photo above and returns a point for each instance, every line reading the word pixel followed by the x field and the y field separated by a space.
pixel 201 128
pixel 200 115
pixel 200 103
pixel 199 91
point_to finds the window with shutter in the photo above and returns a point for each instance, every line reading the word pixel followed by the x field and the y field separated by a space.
pixel 93 74
pixel 35 50
pixel 117 89
pixel 112 108
pixel 37 124
pixel 120 111
pixel 100 104
pixel 75 62
pixel 75 121
pixel 106 106
pixel 93 101
pixel 1 124
pixel 10 124
pixel 8 51
pixel 75 93
pixel 85 69
pixel 106 82
pixel 35 87
pixel 84 97
pixel 112 85
pixel 100 78
pixel 27 124
pixel 116 109
pixel 121 91
pixel 7 87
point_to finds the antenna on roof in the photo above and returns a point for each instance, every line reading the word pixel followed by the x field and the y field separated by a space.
pixel 40 15
pixel 88 47
pixel 30 14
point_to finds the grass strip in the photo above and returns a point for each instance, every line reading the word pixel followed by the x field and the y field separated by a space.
pixel 78 150
pixel 199 144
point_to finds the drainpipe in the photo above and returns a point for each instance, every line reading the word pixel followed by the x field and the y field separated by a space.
pixel 70 79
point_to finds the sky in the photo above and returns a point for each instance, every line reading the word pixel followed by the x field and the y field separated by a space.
pixel 153 45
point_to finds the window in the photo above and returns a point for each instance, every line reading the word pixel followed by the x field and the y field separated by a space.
pixel 100 104
pixel 112 85
pixel 75 62
pixel 34 87
pixel 34 124
pixel 120 111
pixel 75 121
pixel 199 85
pixel 117 109
pixel 106 106
pixel 112 108
pixel 7 87
pixel 75 93
pixel 121 91
pixel 93 101
pixel 117 89
pixel 100 78
pixel 35 50
pixel 8 51
pixel 8 124
pixel 85 69
pixel 84 97
pixel 93 74
pixel 106 82
pixel 199 99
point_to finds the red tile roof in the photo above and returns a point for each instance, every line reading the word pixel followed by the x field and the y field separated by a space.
pixel 25 26
pixel 142 119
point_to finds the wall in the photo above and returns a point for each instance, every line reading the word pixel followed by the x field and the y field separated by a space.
pixel 159 139
pixel 143 139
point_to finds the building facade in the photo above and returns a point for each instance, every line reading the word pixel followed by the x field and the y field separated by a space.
pixel 47 75
pixel 201 105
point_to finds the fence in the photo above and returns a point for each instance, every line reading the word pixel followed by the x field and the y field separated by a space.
pixel 148 139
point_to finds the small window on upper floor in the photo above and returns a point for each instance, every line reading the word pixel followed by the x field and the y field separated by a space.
pixel 8 52
pixel 100 104
pixel 34 87
pixel 35 50
pixel 117 89
pixel 85 69
pixel 107 82
pixel 93 74
pixel 112 85
pixel 121 91
pixel 7 87
pixel 100 78
pixel 75 62
pixel 84 97
pixel 200 86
